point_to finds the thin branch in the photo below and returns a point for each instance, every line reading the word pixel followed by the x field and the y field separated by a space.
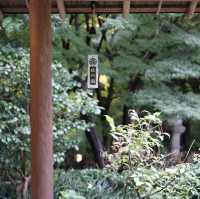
pixel 188 152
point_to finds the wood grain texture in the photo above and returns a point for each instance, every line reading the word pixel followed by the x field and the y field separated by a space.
pixel 192 8
pixel 126 8
pixel 106 6
pixel 41 100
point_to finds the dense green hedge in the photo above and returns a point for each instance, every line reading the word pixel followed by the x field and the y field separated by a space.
pixel 135 170
pixel 180 182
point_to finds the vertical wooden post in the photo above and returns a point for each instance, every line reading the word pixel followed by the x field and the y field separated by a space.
pixel 126 8
pixel 159 7
pixel 192 8
pixel 41 100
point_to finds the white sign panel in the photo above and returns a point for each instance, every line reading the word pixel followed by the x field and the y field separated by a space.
pixel 93 71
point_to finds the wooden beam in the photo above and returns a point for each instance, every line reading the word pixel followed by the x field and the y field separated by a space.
pixel 192 8
pixel 61 9
pixel 41 100
pixel 105 6
pixel 153 10
pixel 126 8
pixel 159 7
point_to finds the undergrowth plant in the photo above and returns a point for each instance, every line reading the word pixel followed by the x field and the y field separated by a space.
pixel 137 143
pixel 137 168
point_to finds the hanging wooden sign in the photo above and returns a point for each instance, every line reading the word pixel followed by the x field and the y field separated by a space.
pixel 93 72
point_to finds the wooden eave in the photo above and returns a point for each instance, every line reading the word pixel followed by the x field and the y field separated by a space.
pixel 109 6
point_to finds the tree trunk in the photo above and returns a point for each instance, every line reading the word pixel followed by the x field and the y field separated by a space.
pixel 96 146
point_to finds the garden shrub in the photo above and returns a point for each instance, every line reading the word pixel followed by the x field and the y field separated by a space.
pixel 144 174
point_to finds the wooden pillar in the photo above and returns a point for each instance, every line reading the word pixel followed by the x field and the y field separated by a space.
pixel 41 100
pixel 126 8
pixel 192 8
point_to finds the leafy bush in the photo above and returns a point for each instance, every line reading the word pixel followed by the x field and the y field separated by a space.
pixel 70 102
pixel 145 176
pixel 134 144
pixel 182 181
pixel 156 75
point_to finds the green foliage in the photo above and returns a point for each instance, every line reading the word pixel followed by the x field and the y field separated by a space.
pixel 154 62
pixel 145 174
pixel 14 92
pixel 163 52
pixel 172 69
pixel 134 143
pixel 69 105
pixel 89 183
pixel 69 194
pixel 178 182
pixel 69 99
pixel 16 30
pixel 159 97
